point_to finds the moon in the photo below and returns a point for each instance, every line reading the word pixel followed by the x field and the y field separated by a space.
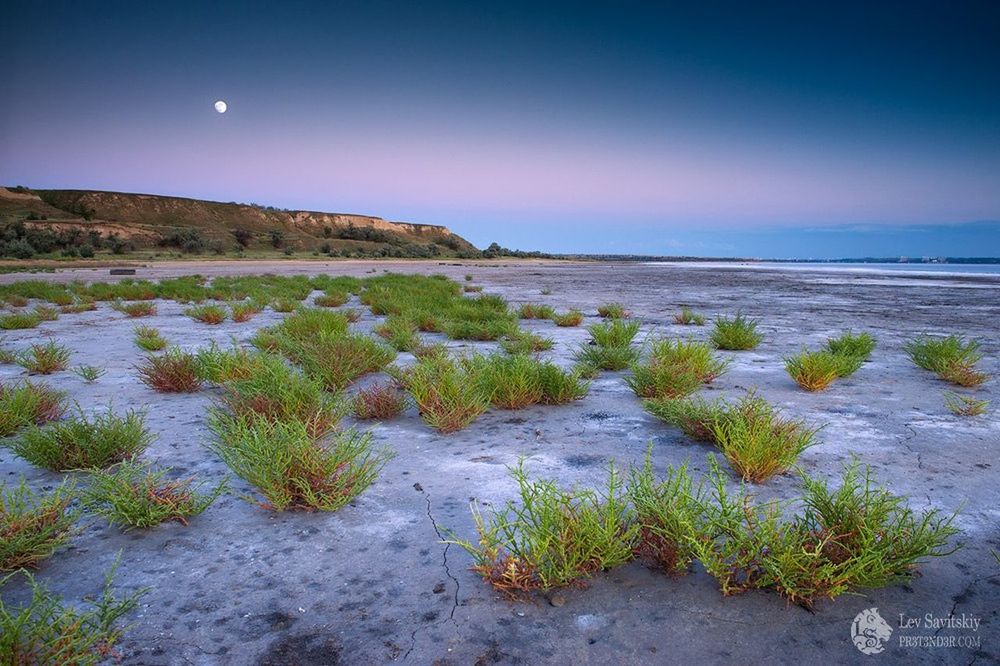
pixel 221 106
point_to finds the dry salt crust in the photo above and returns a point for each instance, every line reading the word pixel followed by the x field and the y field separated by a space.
pixel 372 583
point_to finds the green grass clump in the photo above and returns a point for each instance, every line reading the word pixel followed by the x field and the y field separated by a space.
pixel 89 373
pixel 616 333
pixel 687 317
pixel 857 536
pixel 216 365
pixel 568 319
pixel 78 306
pixel 273 391
pixel 613 311
pixel 290 468
pixel 676 368
pixel 149 339
pixel 400 333
pixel 306 323
pixel 668 516
pixel 382 401
pixel 757 441
pixel 135 308
pixel 48 632
pixel 19 320
pixel 207 314
pixel 437 350
pixel 284 305
pixel 610 345
pixel 490 329
pixel 964 405
pixel 133 495
pixel 814 371
pixel 524 342
pixel 951 357
pixel 44 359
pixel 28 404
pixel 174 371
pixel 331 299
pixel 448 395
pixel 45 313
pixel 32 527
pixel 737 333
pixel 8 356
pixel 849 345
pixel 82 443
pixel 242 311
pixel 551 538
pixel 338 360
pixel 512 382
pixel 533 311
pixel 560 387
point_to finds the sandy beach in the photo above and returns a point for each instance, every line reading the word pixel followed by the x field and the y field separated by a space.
pixel 372 582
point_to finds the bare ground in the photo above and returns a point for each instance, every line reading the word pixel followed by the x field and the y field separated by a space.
pixel 373 584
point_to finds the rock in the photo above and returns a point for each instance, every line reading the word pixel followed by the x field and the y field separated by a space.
pixel 558 600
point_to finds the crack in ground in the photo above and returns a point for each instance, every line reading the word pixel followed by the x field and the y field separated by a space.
pixel 906 442
pixel 447 571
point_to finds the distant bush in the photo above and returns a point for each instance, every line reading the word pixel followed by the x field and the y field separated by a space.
pixel 186 240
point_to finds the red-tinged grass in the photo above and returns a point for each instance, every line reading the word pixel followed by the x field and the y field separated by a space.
pixel 207 314
pixel 82 443
pixel 243 312
pixel 568 319
pixel 136 308
pixel 32 527
pixel 45 359
pixel 381 401
pixel 331 299
pixel 174 371
pixel 28 404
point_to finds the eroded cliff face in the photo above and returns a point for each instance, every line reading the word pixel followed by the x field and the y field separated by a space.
pixel 146 216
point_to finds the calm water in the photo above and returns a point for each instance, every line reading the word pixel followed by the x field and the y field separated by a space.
pixel 964 269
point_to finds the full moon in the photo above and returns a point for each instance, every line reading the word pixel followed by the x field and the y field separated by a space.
pixel 221 106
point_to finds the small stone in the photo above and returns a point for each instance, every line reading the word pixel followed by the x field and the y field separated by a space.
pixel 557 600
pixel 419 488
pixel 439 588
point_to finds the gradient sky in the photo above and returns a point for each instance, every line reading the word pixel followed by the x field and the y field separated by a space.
pixel 798 130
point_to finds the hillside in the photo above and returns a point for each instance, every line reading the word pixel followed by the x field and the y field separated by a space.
pixel 135 221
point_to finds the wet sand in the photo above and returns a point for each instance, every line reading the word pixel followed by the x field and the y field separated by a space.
pixel 372 583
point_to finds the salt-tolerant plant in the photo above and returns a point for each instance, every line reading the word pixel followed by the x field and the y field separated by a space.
pixel 448 395
pixel 79 442
pixel 737 333
pixel 292 469
pixel 952 358
pixel 610 345
pixel 524 342
pixel 135 308
pixel 207 314
pixel 551 538
pixel 472 288
pixel 668 515
pixel 568 319
pixel 243 311
pixel 45 313
pixel 33 526
pixel 676 368
pixel 694 416
pixel 28 404
pixel 149 339
pixel 283 305
pixel 19 320
pixel 78 307
pixel 428 351
pixel 512 382
pixel 174 371
pixel 48 632
pixel 217 365
pixel 858 346
pixel 44 359
pixel 8 356
pixel 331 299
pixel 135 495
pixel 560 387
pixel 382 401
pixel 606 358
pixel 533 311
pixel 337 360
pixel 814 371
pixel 687 317
pixel 400 333
pixel 89 373
pixel 613 311
pixel 964 405
pixel 616 333
pixel 857 536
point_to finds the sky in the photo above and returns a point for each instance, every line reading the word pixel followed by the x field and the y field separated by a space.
pixel 712 129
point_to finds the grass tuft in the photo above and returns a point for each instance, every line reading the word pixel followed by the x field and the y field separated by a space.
pixel 135 308
pixel 149 339
pixel 243 311
pixel 133 495
pixel 382 401
pixel 668 515
pixel 524 342
pixel 19 320
pixel 551 538
pixel 292 469
pixel 89 373
pixel 207 314
pixel 533 311
pixel 331 299
pixel 44 359
pixel 448 395
pixel 814 371
pixel 737 333
pixel 28 404
pixel 952 358
pixel 400 333
pixel 964 405
pixel 687 317
pixel 568 319
pixel 32 527
pixel 676 368
pixel 81 443
pixel 174 371
pixel 613 311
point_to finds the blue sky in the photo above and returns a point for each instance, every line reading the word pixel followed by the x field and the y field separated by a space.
pixel 794 130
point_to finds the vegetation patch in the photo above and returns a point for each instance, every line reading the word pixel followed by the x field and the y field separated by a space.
pixel 737 333
pixel 448 395
pixel 613 311
pixel 675 369
pixel 174 371
pixel 610 346
pixel 952 358
pixel 19 320
pixel 207 314
pixel 148 339
pixel 568 319
pixel 243 311
pixel 400 333
pixel 28 404
pixel 134 495
pixel 331 299
pixel 524 342
pixel 688 317
pixel 534 311
pixel 82 443
pixel 382 401
pixel 32 526
pixel 44 359
pixel 89 373
pixel 136 308
pixel 964 405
